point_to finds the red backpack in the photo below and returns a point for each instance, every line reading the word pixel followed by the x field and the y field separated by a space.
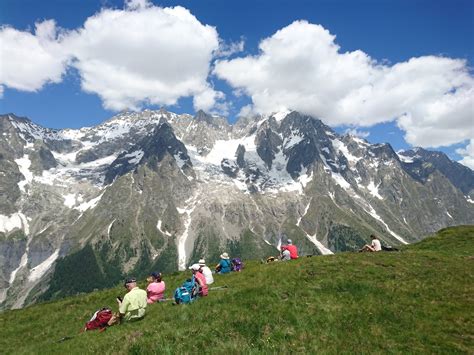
pixel 100 319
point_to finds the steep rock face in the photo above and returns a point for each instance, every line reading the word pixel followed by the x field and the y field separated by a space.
pixel 421 163
pixel 151 150
pixel 268 142
pixel 156 191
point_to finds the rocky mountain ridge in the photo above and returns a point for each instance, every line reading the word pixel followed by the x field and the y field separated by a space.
pixel 154 189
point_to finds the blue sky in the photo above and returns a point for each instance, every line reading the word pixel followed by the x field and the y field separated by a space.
pixel 388 32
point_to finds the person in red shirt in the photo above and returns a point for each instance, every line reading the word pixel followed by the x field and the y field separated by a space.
pixel 291 248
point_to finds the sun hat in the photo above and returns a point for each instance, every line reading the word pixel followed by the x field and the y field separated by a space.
pixel 289 241
pixel 224 256
pixel 202 262
pixel 195 267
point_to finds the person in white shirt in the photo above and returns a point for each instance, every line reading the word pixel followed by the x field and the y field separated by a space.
pixel 375 246
pixel 285 255
pixel 206 272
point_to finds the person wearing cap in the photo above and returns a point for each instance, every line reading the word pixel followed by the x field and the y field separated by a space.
pixel 206 272
pixel 156 288
pixel 200 279
pixel 134 303
pixel 291 248
pixel 225 265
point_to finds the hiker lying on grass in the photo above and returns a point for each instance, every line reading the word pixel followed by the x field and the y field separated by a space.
pixel 200 279
pixel 156 288
pixel 225 265
pixel 375 246
pixel 206 272
pixel 134 303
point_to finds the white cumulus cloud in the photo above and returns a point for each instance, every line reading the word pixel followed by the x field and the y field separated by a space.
pixel 357 133
pixel 144 54
pixel 467 154
pixel 301 67
pixel 141 54
pixel 31 60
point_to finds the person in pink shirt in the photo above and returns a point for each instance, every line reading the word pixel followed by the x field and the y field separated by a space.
pixel 200 279
pixel 156 288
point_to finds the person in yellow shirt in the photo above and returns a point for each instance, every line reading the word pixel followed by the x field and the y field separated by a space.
pixel 133 305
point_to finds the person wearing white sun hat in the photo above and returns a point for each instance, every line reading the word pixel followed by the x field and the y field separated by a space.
pixel 225 265
pixel 206 272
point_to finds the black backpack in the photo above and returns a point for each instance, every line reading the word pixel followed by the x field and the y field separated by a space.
pixel 389 248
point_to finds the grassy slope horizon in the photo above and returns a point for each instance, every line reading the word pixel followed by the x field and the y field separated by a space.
pixel 418 300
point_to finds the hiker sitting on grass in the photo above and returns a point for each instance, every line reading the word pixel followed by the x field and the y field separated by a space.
pixel 291 248
pixel 225 265
pixel 285 255
pixel 375 246
pixel 156 288
pixel 206 272
pixel 134 303
pixel 200 279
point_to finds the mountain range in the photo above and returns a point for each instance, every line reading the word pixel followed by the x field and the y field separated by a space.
pixel 154 190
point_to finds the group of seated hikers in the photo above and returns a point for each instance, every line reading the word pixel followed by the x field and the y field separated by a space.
pixel 133 305
pixel 288 251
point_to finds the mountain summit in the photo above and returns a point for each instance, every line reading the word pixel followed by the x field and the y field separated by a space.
pixel 156 190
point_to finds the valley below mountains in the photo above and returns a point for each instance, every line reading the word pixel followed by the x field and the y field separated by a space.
pixel 153 190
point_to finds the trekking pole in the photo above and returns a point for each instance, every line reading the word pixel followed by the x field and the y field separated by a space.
pixel 64 339
pixel 218 288
pixel 166 299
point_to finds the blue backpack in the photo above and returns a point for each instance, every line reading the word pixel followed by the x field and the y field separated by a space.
pixel 186 293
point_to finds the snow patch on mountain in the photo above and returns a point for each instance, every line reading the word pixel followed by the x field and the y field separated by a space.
pixel 24 164
pixel 136 156
pixel 304 213
pixel 342 148
pixel 110 227
pixel 158 226
pixel 74 134
pixel 23 262
pixel 89 204
pixel 209 166
pixel 405 158
pixel 38 271
pixel 69 171
pixel 27 128
pixel 181 162
pixel 374 190
pixel 322 249
pixel 182 239
pixel 69 200
pixel 339 179
pixel 292 140
pixel 280 115
pixel 374 214
pixel 15 221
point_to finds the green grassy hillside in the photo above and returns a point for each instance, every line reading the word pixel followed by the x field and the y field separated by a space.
pixel 420 300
